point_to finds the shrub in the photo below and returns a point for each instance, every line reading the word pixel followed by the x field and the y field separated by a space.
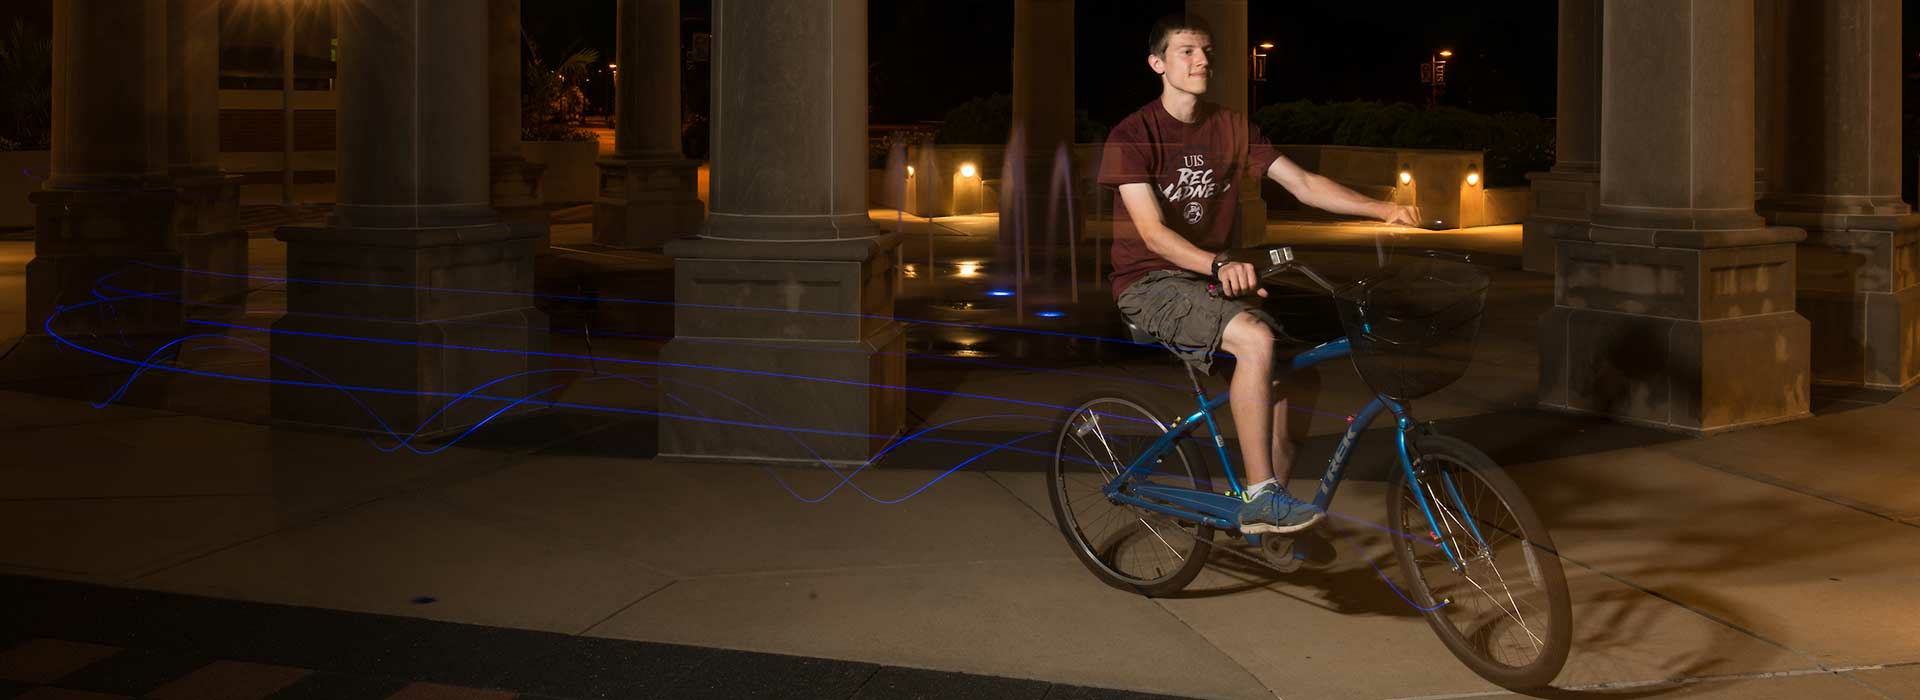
pixel 989 120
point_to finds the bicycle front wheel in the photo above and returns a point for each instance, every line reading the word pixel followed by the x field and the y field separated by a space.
pixel 1503 610
pixel 1129 548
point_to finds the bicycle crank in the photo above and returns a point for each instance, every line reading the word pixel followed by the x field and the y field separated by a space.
pixel 1278 551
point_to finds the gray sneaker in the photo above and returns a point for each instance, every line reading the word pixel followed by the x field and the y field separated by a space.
pixel 1273 511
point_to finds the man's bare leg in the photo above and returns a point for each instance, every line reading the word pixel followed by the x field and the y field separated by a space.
pixel 1261 429
pixel 1283 448
pixel 1263 432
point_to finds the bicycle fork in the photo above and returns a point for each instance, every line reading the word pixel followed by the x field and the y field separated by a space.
pixel 1421 492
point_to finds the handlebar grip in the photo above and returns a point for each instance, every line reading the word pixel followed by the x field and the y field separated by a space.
pixel 1279 258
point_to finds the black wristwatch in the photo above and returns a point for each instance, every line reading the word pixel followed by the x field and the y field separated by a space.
pixel 1220 261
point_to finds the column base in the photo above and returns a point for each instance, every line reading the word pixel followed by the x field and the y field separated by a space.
pixel 115 243
pixel 811 403
pixel 390 340
pixel 515 181
pixel 212 244
pixel 1860 288
pixel 1563 206
pixel 139 295
pixel 645 203
pixel 1693 377
pixel 1693 340
pixel 772 382
pixel 1869 340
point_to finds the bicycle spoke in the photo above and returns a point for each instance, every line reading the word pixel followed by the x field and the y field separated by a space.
pixel 1503 626
pixel 1512 613
pixel 1127 542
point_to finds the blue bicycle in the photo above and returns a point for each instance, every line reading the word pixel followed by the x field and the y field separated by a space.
pixel 1140 510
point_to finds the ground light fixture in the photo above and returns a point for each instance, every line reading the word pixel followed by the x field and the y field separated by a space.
pixel 1473 178
pixel 1406 177
pixel 966 170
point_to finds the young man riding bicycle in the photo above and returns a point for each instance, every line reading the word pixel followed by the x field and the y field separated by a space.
pixel 1174 164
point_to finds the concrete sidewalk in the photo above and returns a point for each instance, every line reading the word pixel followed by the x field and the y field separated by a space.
pixel 1779 562
pixel 1715 559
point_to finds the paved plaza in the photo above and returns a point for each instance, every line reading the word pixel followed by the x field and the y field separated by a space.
pixel 174 540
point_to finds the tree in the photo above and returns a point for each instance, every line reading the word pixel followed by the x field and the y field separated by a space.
pixel 26 89
pixel 553 104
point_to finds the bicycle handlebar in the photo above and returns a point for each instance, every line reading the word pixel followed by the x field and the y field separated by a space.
pixel 1279 259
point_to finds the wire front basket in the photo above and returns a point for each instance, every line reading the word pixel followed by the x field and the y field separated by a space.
pixel 1412 325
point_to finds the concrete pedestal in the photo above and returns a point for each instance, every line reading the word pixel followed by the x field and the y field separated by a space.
pixel 386 337
pixel 115 243
pixel 1563 204
pixel 1859 285
pixel 212 245
pixel 514 182
pixel 1690 340
pixel 810 361
pixel 645 203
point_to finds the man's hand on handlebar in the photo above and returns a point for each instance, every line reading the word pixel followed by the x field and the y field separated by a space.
pixel 1402 215
pixel 1238 279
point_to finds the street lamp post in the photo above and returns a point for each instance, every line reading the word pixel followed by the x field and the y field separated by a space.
pixel 1256 74
pixel 1433 74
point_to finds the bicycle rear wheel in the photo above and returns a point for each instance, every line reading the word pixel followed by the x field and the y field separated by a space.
pixel 1129 548
pixel 1506 613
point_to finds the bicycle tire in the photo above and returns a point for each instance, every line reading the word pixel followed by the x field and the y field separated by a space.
pixel 1519 527
pixel 1157 577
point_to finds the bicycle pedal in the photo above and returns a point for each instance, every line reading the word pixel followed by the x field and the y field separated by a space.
pixel 1278 551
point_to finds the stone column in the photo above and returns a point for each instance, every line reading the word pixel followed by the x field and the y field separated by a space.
pixel 1679 312
pixel 1033 209
pixel 413 291
pixel 207 220
pixel 1229 88
pixel 1838 177
pixel 107 206
pixel 1769 142
pixel 784 316
pixel 648 188
pixel 515 182
pixel 1564 198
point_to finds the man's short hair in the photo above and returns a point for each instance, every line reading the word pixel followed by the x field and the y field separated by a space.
pixel 1164 29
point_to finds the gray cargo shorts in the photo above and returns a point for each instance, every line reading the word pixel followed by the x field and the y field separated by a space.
pixel 1173 307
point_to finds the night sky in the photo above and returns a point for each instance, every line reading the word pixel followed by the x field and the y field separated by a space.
pixel 1324 51
pixel 932 55
pixel 929 56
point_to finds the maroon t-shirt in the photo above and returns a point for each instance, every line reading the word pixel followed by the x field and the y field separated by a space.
pixel 1193 169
